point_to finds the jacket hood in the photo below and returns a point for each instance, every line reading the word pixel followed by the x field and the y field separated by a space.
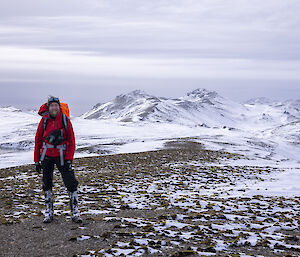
pixel 43 109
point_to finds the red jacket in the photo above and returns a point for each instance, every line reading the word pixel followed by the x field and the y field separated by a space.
pixel 41 135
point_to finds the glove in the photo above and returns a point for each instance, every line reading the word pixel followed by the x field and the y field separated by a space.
pixel 38 167
pixel 69 165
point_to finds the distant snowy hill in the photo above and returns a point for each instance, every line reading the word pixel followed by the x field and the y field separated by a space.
pixel 200 107
pixel 290 132
pixel 17 128
pixel 267 109
pixel 9 108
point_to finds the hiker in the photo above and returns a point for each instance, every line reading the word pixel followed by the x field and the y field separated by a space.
pixel 55 144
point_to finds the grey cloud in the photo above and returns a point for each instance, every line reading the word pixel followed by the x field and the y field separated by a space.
pixel 251 44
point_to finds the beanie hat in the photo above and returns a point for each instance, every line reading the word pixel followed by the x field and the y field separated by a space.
pixel 53 100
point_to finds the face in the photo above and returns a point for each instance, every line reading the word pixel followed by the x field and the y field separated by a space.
pixel 54 109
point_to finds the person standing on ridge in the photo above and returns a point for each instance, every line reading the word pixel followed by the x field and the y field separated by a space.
pixel 55 144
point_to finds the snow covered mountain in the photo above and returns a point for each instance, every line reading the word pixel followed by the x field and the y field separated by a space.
pixel 17 128
pixel 199 107
pixel 284 112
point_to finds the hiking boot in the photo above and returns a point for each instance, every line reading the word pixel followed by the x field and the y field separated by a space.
pixel 49 206
pixel 75 215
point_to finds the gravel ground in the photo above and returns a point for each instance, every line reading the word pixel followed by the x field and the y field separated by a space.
pixel 169 202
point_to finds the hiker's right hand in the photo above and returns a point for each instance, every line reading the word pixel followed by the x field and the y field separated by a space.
pixel 69 166
pixel 38 167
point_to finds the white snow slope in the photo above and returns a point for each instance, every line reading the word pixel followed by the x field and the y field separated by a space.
pixel 264 130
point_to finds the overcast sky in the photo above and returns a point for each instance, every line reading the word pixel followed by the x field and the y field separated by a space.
pixel 89 51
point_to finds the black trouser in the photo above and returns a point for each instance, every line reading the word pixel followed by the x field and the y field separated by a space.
pixel 68 177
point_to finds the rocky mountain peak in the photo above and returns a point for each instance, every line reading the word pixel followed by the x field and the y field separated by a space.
pixel 202 93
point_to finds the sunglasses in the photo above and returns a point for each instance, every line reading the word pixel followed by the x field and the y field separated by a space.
pixel 53 99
